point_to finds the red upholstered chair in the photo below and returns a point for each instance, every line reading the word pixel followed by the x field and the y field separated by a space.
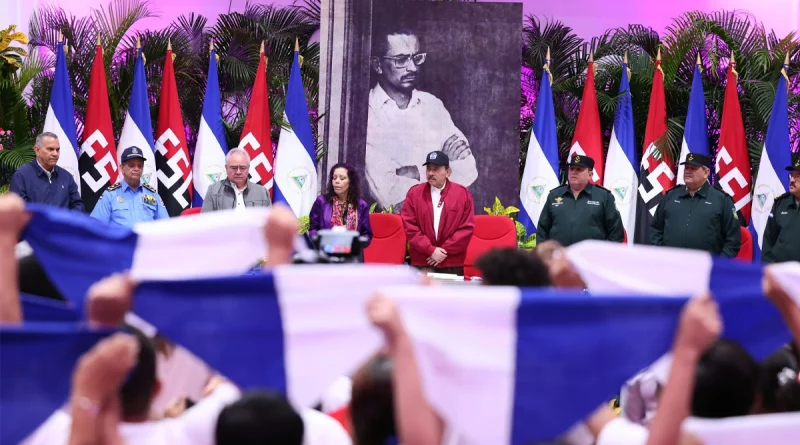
pixel 191 211
pixel 388 244
pixel 746 251
pixel 490 232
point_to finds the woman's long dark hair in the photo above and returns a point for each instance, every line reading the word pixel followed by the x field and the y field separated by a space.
pixel 353 191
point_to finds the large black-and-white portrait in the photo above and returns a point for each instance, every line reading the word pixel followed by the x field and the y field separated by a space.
pixel 402 79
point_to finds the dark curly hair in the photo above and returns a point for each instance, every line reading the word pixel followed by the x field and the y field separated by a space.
pixel 353 191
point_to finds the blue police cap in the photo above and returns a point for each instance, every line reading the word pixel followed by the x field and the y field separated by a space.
pixel 132 153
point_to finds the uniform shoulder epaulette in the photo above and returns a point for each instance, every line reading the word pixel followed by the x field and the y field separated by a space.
pixel 601 187
pixel 676 187
pixel 114 186
pixel 151 188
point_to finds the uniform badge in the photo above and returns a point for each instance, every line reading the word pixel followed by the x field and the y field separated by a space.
pixel 559 199
pixel 577 158
pixel 120 199
pixel 691 157
pixel 148 199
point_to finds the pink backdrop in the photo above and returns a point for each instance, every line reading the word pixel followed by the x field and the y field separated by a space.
pixel 587 17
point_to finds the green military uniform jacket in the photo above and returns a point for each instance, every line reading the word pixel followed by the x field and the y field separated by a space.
pixel 706 221
pixel 782 236
pixel 593 215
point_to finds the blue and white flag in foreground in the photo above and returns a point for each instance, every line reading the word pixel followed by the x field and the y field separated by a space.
pixel 36 366
pixel 60 118
pixel 76 250
pixel 749 317
pixel 280 330
pixel 296 157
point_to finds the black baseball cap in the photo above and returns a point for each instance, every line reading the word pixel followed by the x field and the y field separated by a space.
pixel 132 153
pixel 795 167
pixel 437 158
pixel 697 159
pixel 582 161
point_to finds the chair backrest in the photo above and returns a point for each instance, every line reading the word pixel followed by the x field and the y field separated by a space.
pixel 746 251
pixel 191 211
pixel 490 232
pixel 388 244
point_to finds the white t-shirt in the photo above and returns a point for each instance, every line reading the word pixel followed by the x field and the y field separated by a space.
pixel 239 198
pixel 195 427
pixel 436 196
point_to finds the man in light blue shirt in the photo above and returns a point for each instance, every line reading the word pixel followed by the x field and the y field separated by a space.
pixel 130 201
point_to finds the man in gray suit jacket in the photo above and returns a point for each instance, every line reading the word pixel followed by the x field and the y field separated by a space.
pixel 236 192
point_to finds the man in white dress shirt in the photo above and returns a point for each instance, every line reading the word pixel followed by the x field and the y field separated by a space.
pixel 404 124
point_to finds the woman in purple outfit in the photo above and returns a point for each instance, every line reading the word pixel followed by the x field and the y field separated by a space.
pixel 341 205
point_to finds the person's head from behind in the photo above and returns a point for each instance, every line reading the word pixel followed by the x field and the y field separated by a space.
pixel 513 267
pixel 726 382
pixel 142 385
pixel 47 150
pixel 259 418
pixel 343 183
pixel 237 166
pixel 372 402
pixel 778 381
pixel 396 58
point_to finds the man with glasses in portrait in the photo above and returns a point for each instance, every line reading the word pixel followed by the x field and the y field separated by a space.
pixel 235 191
pixel 405 124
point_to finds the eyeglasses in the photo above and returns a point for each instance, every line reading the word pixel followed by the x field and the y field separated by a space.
pixel 402 60
pixel 238 168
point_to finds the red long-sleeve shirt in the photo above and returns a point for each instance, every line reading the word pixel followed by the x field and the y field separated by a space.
pixel 456 223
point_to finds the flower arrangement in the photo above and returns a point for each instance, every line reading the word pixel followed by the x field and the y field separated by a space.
pixel 6 139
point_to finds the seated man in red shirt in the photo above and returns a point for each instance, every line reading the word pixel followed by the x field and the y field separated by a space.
pixel 438 218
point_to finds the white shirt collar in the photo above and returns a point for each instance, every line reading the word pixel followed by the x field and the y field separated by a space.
pixel 48 173
pixel 379 97
pixel 438 190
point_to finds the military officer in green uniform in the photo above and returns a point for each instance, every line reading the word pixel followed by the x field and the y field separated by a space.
pixel 130 201
pixel 782 236
pixel 578 210
pixel 695 215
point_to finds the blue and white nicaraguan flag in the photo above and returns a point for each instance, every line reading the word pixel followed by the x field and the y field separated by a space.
pixel 695 134
pixel 137 131
pixel 209 154
pixel 528 357
pixel 540 175
pixel 771 180
pixel 60 119
pixel 296 158
pixel 622 170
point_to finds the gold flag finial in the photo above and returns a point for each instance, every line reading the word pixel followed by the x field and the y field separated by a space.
pixel 296 45
pixel 211 45
pixel 547 65
pixel 138 42
pixel 733 65
pixel 733 58
pixel 98 40
pixel 591 56
pixel 699 62
pixel 261 51
pixel 658 54
pixel 625 59
pixel 169 44
pixel 60 36
pixel 785 67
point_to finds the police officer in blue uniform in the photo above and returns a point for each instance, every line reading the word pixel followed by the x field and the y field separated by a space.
pixel 130 201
